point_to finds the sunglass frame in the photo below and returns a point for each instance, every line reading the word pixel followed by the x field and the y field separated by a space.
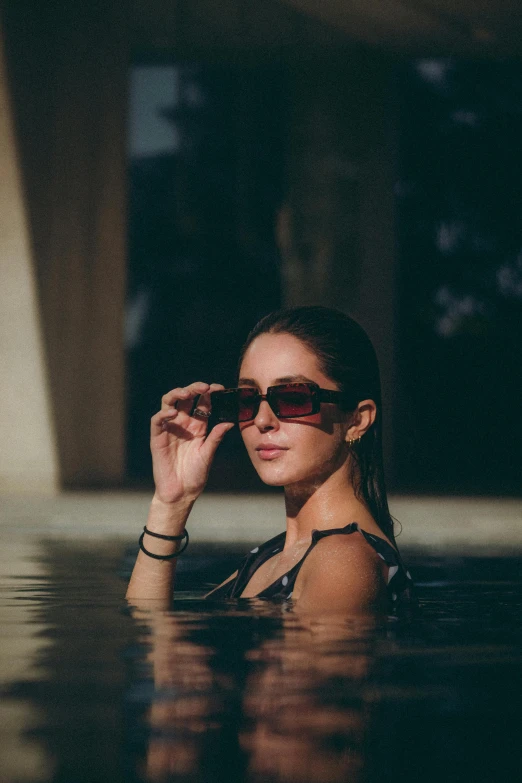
pixel 317 396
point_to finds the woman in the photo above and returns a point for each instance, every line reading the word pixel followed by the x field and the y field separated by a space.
pixel 308 405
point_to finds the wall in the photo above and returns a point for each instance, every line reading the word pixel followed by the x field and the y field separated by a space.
pixel 68 73
pixel 28 460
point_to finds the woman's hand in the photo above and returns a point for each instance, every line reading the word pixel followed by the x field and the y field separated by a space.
pixel 182 451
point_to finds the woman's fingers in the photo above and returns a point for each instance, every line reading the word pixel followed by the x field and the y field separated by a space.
pixel 203 402
pixel 214 438
pixel 160 420
pixel 186 398
pixel 183 397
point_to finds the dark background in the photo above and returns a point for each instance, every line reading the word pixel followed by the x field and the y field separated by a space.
pixel 363 156
pixel 460 254
pixel 204 251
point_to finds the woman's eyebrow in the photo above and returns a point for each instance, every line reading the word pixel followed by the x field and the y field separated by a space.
pixel 284 379
pixel 294 379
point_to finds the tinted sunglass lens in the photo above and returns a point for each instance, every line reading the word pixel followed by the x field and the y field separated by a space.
pixel 225 405
pixel 243 404
pixel 247 404
pixel 235 404
pixel 295 400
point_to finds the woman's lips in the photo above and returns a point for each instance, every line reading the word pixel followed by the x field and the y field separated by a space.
pixel 269 451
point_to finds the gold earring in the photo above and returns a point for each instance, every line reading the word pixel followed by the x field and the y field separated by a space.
pixel 351 441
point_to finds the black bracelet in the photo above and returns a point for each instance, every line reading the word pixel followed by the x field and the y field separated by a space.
pixel 168 538
pixel 165 538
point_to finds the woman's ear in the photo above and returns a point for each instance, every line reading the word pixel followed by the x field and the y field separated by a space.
pixel 362 419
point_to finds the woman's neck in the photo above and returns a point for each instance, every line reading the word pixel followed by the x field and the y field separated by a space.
pixel 322 505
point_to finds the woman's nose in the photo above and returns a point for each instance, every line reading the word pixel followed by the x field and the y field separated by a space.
pixel 266 418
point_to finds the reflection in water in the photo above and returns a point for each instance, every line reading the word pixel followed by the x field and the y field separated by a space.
pixel 305 713
pixel 300 714
pixel 244 692
pixel 22 759
pixel 189 701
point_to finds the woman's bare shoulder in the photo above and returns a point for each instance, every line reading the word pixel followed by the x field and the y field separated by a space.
pixel 339 550
pixel 342 572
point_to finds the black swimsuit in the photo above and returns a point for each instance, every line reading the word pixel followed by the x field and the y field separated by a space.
pixel 400 583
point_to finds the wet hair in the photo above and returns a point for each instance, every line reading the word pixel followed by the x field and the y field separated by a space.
pixel 346 355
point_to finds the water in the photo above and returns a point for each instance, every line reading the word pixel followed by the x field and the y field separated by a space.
pixel 92 691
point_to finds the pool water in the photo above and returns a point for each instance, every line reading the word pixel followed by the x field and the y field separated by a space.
pixel 94 690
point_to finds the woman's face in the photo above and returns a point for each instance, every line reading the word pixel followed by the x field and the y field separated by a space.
pixel 290 451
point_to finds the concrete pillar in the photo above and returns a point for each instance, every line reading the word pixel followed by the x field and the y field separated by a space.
pixel 28 457
pixel 336 231
pixel 68 67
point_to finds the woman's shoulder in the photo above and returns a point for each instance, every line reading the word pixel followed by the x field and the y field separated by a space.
pixel 332 556
pixel 345 548
pixel 341 573
pixel 363 564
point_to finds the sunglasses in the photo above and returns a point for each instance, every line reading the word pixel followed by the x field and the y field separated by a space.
pixel 288 401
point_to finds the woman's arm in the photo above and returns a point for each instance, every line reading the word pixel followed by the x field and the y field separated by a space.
pixel 154 579
pixel 182 453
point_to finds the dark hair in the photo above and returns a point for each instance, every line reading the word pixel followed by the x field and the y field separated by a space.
pixel 347 356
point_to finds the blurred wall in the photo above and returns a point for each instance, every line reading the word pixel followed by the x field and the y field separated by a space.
pixel 28 459
pixel 68 70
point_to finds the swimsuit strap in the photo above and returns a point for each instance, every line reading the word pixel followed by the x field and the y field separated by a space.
pixel 398 578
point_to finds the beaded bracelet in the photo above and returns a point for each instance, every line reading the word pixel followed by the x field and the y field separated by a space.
pixel 165 538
